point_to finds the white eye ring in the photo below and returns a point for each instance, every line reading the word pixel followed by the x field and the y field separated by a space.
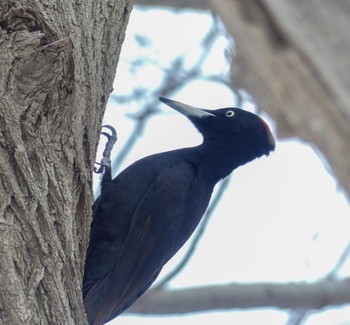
pixel 230 113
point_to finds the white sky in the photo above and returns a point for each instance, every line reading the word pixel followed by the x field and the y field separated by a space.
pixel 282 219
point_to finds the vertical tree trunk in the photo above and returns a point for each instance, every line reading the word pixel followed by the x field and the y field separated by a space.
pixel 57 65
pixel 293 58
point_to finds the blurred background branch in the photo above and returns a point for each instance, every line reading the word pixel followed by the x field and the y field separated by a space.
pixel 310 296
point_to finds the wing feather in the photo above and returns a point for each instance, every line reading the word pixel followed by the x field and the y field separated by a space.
pixel 157 229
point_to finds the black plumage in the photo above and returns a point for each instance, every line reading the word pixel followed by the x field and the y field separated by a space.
pixel 145 214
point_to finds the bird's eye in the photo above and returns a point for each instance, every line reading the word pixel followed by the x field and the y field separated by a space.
pixel 230 113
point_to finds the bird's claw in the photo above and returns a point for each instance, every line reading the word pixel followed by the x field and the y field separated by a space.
pixel 100 169
pixel 105 162
pixel 106 159
pixel 114 133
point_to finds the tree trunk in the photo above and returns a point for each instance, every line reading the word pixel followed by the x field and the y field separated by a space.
pixel 293 58
pixel 57 66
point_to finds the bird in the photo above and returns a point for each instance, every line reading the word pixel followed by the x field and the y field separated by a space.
pixel 146 213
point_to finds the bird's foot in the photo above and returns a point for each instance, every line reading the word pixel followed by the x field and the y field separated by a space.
pixel 106 159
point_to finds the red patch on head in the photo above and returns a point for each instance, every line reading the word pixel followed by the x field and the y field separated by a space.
pixel 269 133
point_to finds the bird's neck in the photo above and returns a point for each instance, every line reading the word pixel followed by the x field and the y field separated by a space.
pixel 218 162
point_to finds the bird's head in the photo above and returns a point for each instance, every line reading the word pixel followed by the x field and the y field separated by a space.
pixel 234 126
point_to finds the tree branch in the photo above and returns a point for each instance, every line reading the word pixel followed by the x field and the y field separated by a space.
pixel 175 77
pixel 232 296
pixel 179 4
pixel 298 316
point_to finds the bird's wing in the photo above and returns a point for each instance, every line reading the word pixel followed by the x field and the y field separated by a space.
pixel 159 227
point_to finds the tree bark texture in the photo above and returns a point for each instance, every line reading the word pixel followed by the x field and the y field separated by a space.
pixel 57 66
pixel 293 58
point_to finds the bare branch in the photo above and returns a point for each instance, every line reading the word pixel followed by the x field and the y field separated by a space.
pixel 237 296
pixel 298 316
pixel 342 259
pixel 178 4
pixel 175 77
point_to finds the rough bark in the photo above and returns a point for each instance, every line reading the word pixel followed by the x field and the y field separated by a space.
pixel 57 65
pixel 240 296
